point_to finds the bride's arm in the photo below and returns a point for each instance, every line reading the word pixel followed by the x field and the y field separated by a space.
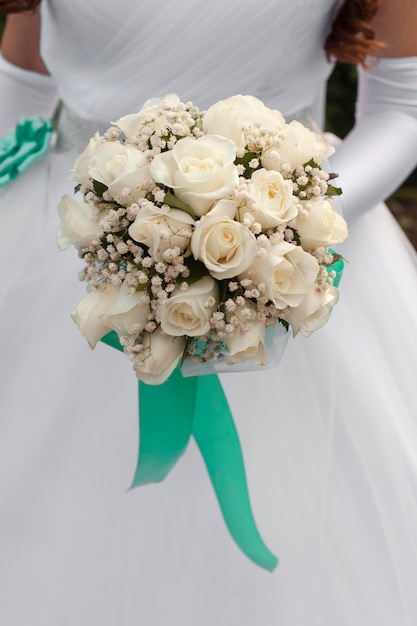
pixel 20 41
pixel 381 150
pixel 395 24
pixel 25 87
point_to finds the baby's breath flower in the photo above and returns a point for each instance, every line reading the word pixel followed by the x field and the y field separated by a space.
pixel 230 305
pixel 248 219
pixel 147 262
pixel 159 194
pixel 261 253
pixel 160 267
pixel 122 247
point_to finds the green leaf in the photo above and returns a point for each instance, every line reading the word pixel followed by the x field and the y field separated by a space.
pixel 245 160
pixel 142 287
pixel 284 323
pixel 99 188
pixel 311 163
pixel 336 258
pixel 223 284
pixel 333 191
pixel 176 203
pixel 296 237
pixel 197 270
pixel 187 253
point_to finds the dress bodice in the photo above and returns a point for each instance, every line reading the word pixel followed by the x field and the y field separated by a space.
pixel 109 57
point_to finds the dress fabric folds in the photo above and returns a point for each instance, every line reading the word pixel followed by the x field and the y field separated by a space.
pixel 329 438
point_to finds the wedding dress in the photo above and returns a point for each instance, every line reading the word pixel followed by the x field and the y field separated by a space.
pixel 329 438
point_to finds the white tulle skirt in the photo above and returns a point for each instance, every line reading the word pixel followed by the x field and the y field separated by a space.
pixel 329 440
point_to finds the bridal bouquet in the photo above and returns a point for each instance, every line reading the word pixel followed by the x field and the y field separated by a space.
pixel 201 230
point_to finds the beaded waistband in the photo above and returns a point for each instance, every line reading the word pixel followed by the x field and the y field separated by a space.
pixel 74 132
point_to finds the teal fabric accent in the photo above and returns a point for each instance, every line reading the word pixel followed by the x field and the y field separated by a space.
pixel 216 436
pixel 27 144
pixel 337 267
pixel 168 415
pixel 112 339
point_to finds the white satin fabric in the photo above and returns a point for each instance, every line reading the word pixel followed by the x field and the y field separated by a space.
pixel 386 125
pixel 24 93
pixel 329 438
pixel 108 58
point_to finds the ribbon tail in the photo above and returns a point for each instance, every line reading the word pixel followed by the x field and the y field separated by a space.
pixel 169 414
pixel 218 441
pixel 166 414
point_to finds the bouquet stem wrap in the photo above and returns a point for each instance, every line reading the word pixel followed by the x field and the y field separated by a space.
pixel 198 408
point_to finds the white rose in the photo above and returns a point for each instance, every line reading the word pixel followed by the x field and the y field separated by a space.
pixel 287 272
pixel 77 226
pixel 229 117
pixel 153 114
pixel 120 167
pixel 128 309
pixel 313 311
pixel 247 346
pixel 274 198
pixel 298 146
pixel 162 357
pixel 89 313
pixel 322 226
pixel 160 229
pixel 188 312
pixel 80 169
pixel 225 246
pixel 199 171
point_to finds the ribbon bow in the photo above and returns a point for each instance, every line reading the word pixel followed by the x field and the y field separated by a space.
pixel 198 408
pixel 23 147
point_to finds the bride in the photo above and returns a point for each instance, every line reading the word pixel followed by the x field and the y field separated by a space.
pixel 329 438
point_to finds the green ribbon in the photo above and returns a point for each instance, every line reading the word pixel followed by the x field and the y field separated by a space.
pixel 197 406
pixel 24 146
pixel 216 436
pixel 169 414
pixel 338 268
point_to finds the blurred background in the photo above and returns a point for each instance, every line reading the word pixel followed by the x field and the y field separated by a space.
pixel 339 120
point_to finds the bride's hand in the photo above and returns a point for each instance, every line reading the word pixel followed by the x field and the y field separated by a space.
pixel 379 153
